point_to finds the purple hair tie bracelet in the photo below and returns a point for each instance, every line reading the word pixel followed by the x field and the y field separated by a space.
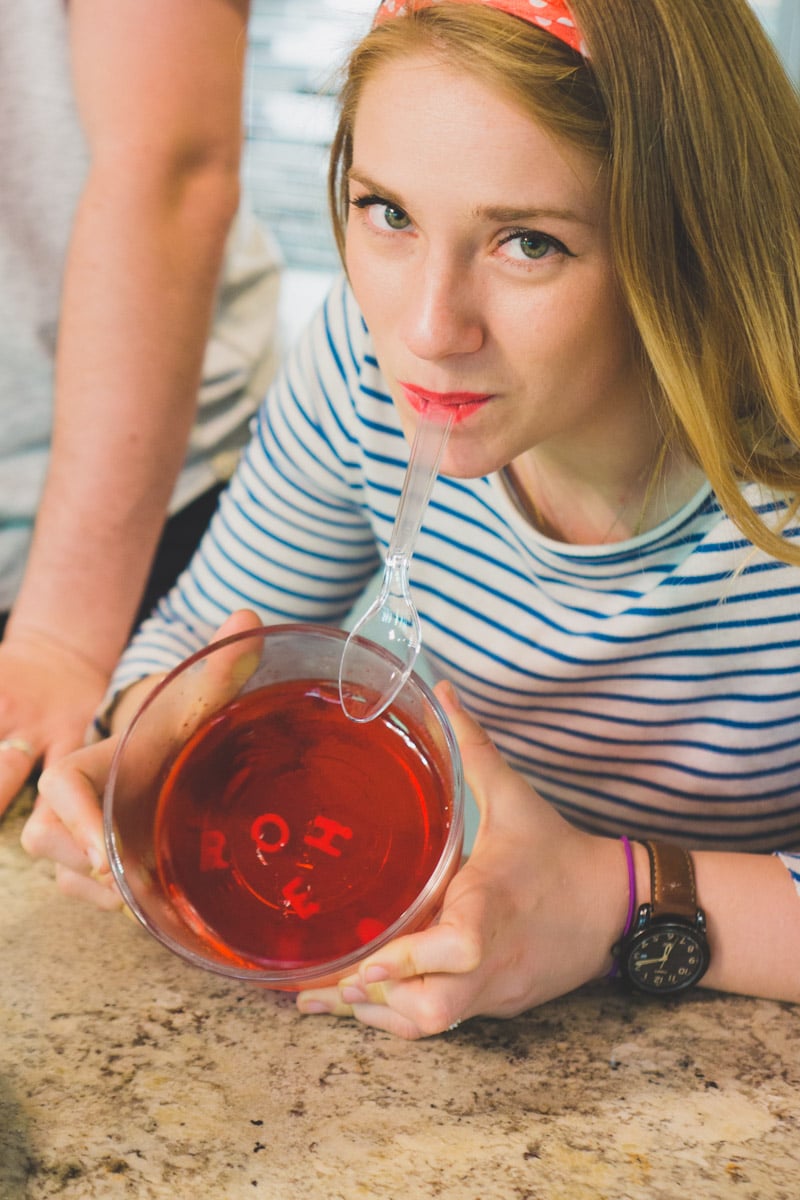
pixel 626 846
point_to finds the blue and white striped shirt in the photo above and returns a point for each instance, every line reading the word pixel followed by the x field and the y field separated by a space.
pixel 649 687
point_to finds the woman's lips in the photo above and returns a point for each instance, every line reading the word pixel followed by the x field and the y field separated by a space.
pixel 461 404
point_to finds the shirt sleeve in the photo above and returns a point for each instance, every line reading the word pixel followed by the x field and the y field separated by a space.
pixel 792 864
pixel 292 537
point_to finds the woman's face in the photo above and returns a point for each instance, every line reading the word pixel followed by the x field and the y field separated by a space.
pixel 478 248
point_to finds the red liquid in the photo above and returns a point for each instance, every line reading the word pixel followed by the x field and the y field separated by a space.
pixel 288 835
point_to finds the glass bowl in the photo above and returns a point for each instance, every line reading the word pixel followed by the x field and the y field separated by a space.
pixel 256 831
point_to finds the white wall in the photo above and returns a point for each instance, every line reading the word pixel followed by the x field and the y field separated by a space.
pixel 781 19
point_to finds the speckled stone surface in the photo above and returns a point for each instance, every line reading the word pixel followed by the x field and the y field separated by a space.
pixel 124 1073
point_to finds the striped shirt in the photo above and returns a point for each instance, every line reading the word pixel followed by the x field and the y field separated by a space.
pixel 649 687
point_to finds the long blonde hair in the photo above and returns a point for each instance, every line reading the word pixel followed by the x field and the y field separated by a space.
pixel 698 127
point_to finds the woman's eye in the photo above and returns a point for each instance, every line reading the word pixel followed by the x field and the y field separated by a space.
pixel 382 213
pixel 393 216
pixel 529 245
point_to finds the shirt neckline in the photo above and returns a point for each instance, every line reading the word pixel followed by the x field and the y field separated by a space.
pixel 598 551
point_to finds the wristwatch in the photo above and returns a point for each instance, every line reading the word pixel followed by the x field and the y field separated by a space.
pixel 666 951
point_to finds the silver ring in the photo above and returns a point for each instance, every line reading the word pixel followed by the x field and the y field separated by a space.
pixel 18 743
pixel 455 1025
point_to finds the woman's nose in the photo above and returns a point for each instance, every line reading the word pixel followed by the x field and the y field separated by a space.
pixel 442 313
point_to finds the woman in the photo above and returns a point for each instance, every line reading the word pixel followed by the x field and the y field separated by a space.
pixel 553 222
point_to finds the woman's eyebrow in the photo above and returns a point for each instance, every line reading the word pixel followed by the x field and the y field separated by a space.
pixel 510 216
pixel 356 176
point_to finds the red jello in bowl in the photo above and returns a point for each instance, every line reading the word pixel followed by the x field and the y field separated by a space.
pixel 257 831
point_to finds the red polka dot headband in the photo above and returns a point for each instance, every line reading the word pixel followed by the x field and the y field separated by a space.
pixel 552 15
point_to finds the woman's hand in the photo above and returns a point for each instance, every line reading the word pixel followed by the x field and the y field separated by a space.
pixel 48 695
pixel 66 825
pixel 531 915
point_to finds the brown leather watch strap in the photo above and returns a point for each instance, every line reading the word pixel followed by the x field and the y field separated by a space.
pixel 672 884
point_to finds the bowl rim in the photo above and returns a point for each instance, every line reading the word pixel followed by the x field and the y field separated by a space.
pixel 317 972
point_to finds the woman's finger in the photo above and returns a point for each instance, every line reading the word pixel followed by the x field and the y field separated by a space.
pixel 230 667
pixel 168 716
pixel 444 947
pixel 71 792
pixel 484 766
pixel 327 1002
pixel 427 980
pixel 18 757
pixel 410 1008
pixel 45 836
pixel 218 677
pixel 101 892
pixel 323 1000
pixel 390 1021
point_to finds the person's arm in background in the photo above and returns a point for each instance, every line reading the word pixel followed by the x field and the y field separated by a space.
pixel 159 91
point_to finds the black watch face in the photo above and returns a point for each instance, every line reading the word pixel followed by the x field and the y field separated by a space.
pixel 666 959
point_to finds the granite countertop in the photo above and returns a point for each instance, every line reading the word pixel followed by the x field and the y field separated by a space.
pixel 125 1073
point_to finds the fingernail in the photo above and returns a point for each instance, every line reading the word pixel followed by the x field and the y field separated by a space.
pixel 452 696
pixel 375 974
pixel 353 995
pixel 244 668
pixel 96 857
pixel 312 1007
